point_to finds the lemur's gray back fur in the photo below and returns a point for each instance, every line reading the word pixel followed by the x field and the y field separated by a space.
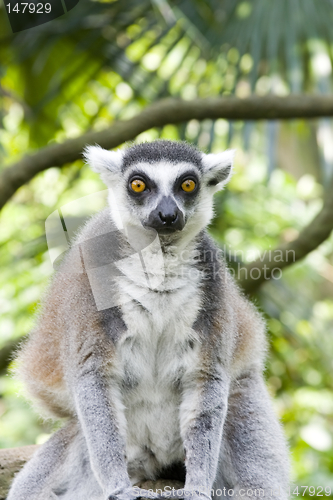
pixel 168 381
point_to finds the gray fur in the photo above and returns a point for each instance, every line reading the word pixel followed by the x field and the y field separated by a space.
pixel 155 152
pixel 166 374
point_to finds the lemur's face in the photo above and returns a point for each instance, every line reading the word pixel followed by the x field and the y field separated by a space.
pixel 167 186
pixel 163 195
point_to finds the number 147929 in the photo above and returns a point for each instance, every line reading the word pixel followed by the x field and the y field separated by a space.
pixel 31 8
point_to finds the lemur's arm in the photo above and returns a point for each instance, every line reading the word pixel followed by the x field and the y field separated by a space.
pixel 99 417
pixel 105 445
pixel 203 413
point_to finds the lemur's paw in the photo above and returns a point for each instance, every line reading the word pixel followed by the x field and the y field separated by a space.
pixel 185 494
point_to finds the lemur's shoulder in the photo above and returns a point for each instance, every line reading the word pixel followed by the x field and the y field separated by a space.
pixel 95 226
pixel 68 313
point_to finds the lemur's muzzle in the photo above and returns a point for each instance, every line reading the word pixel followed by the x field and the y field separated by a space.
pixel 167 217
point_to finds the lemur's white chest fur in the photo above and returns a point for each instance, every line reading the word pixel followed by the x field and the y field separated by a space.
pixel 156 355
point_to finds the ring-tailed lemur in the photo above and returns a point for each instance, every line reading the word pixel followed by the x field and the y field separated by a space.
pixel 148 348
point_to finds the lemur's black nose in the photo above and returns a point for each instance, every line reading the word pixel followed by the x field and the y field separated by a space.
pixel 167 216
pixel 167 211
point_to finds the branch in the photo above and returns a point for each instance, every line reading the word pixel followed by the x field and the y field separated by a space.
pixel 174 110
pixel 257 272
pixel 163 112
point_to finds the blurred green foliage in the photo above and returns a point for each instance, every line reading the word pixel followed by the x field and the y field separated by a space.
pixel 108 60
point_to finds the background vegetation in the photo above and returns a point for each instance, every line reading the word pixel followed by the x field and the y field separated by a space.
pixel 107 61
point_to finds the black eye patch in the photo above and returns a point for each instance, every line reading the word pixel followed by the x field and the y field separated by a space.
pixel 140 176
pixel 186 176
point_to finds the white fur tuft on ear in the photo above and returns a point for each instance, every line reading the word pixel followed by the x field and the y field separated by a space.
pixel 103 161
pixel 218 168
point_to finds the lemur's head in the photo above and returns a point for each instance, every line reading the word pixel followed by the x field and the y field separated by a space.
pixel 164 185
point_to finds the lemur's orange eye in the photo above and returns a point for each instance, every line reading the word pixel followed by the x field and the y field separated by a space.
pixel 138 185
pixel 188 186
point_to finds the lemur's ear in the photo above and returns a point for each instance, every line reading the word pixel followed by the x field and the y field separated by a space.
pixel 218 168
pixel 104 162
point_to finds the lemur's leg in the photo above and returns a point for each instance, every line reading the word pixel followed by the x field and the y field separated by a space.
pixel 254 453
pixel 59 470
